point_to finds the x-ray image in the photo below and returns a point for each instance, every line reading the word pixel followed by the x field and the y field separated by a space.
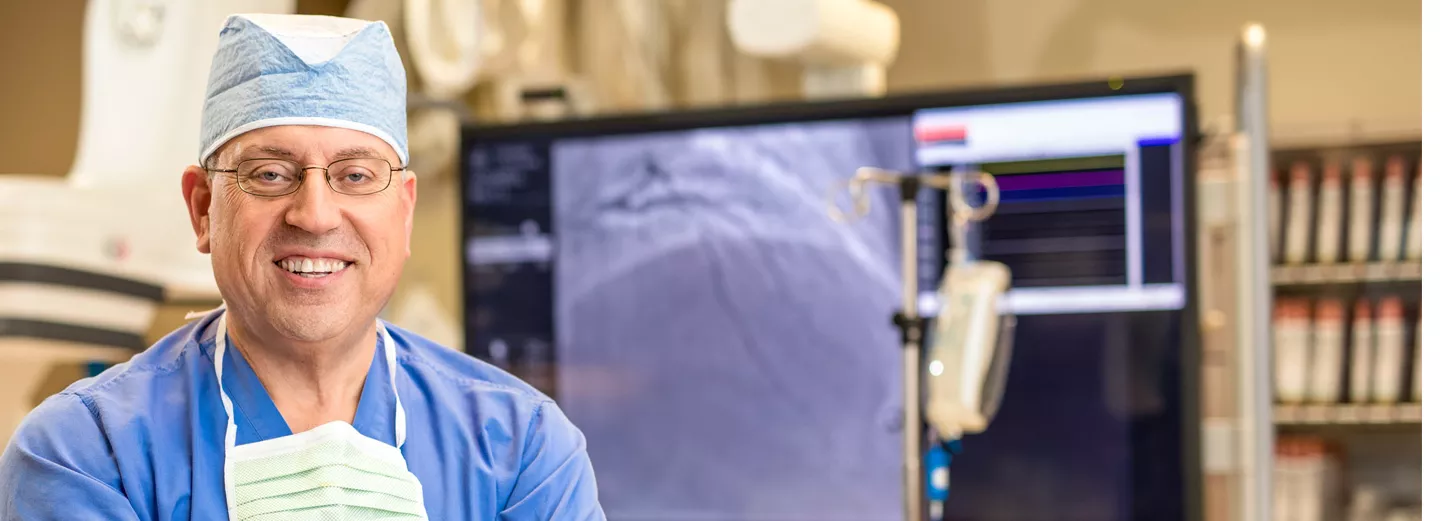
pixel 723 343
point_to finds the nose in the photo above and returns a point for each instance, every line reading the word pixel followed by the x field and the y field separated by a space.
pixel 313 207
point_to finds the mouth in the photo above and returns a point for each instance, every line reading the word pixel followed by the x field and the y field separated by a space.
pixel 312 267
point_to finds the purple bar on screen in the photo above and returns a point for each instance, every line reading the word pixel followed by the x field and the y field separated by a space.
pixel 1059 180
pixel 1158 141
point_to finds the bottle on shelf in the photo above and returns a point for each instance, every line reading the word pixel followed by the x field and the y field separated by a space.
pixel 1415 366
pixel 1412 229
pixel 1389 350
pixel 1327 354
pixel 1292 349
pixel 1362 209
pixel 1297 232
pixel 1327 216
pixel 1392 209
pixel 1307 480
pixel 1362 353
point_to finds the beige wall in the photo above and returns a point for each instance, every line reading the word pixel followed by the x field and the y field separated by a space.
pixel 1335 64
pixel 40 97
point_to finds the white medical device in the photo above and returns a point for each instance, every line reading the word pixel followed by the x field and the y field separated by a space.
pixel 844 45
pixel 970 344
pixel 86 259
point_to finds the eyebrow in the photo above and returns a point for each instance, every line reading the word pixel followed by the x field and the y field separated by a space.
pixel 280 153
pixel 356 152
pixel 268 151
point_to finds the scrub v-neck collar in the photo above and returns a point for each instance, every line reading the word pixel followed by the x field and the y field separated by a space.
pixel 258 419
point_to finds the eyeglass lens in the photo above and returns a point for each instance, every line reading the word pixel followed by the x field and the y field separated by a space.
pixel 275 177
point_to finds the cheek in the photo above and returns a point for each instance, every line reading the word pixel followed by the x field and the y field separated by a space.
pixel 238 233
pixel 385 241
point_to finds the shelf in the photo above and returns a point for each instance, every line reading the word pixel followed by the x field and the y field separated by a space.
pixel 1347 414
pixel 1345 273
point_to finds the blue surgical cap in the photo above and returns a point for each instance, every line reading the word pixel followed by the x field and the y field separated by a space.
pixel 272 70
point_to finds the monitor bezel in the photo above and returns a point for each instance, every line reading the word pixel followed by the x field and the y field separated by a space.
pixel 903 104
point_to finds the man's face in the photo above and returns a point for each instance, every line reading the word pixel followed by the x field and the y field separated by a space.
pixel 313 264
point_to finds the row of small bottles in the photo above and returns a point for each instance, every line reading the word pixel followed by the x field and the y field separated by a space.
pixel 1312 483
pixel 1344 218
pixel 1330 351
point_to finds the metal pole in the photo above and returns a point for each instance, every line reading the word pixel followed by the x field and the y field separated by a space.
pixel 910 329
pixel 1257 432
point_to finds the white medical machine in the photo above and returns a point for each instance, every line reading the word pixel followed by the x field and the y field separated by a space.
pixel 86 259
pixel 844 45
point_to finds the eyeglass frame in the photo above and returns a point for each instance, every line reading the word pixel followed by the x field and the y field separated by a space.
pixel 235 172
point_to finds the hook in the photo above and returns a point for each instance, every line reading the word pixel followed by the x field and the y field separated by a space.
pixel 859 200
pixel 962 212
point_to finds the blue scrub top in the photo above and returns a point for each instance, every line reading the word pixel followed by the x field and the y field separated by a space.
pixel 145 439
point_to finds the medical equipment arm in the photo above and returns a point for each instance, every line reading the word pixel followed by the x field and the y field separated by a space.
pixel 555 479
pixel 58 467
pixel 844 45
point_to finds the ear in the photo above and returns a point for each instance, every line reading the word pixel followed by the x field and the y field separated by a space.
pixel 195 185
pixel 407 197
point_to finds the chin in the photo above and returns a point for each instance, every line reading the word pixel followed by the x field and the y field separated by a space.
pixel 310 323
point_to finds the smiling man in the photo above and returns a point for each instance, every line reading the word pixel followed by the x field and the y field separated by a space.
pixel 294 401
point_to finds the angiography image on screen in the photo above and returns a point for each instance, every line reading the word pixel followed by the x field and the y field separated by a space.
pixel 743 334
pixel 680 286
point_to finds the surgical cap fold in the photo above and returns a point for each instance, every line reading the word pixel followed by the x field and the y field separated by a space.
pixel 271 70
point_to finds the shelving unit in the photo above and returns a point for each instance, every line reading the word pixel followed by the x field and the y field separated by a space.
pixel 1303 275
pixel 1267 459
pixel 1348 414
pixel 1371 448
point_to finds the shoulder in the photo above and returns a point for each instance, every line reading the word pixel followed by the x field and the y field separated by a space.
pixel 461 385
pixel 86 442
pixel 160 367
pixel 118 406
pixel 62 432
pixel 62 419
pixel 434 361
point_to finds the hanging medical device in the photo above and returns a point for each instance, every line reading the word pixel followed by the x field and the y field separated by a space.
pixel 970 345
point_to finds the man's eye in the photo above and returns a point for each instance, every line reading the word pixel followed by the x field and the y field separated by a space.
pixel 357 176
pixel 269 177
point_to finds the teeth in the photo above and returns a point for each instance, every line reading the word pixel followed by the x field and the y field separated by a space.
pixel 318 266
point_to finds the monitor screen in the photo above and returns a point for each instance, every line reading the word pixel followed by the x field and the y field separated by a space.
pixel 678 284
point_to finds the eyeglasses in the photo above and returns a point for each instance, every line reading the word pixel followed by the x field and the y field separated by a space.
pixel 270 177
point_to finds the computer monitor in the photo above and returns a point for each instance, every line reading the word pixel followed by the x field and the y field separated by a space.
pixel 676 282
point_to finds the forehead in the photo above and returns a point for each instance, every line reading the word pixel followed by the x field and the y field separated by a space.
pixel 302 143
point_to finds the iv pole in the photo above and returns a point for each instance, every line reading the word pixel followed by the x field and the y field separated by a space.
pixel 912 329
pixel 911 324
pixel 1256 435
